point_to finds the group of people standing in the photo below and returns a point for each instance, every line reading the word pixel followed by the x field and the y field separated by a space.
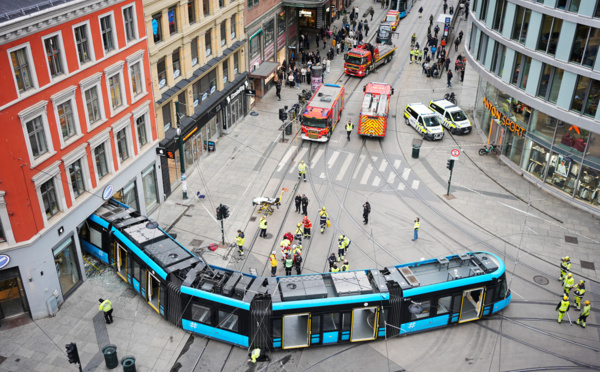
pixel 568 283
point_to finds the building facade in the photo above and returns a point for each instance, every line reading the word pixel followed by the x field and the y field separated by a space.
pixel 198 75
pixel 539 88
pixel 78 127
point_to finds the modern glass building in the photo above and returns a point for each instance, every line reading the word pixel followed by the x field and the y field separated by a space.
pixel 538 90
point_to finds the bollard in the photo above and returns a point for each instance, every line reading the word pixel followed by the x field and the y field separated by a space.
pixel 288 128
pixel 110 356
pixel 415 151
pixel 128 364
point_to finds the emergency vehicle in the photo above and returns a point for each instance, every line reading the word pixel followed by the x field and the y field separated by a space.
pixel 393 17
pixel 322 112
pixel 452 116
pixel 374 112
pixel 424 120
pixel 365 58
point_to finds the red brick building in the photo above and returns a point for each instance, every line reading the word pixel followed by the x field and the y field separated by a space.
pixel 78 126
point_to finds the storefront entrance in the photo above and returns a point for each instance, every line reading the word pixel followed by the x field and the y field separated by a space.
pixel 13 301
pixel 67 268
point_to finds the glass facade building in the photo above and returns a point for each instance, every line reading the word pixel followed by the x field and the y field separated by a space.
pixel 538 89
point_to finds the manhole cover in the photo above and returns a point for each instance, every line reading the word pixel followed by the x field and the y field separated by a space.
pixel 253 218
pixel 587 265
pixel 571 239
pixel 196 242
pixel 542 280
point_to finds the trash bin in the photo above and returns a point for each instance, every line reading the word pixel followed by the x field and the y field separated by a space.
pixel 128 364
pixel 288 128
pixel 110 356
pixel 415 151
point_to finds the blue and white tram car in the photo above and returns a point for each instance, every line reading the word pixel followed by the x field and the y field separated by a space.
pixel 403 6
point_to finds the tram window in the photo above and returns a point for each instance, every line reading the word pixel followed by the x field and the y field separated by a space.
pixel 489 296
pixel 201 314
pixel 137 270
pixel 228 321
pixel 425 306
pixel 277 328
pixel 346 321
pixel 456 301
pixel 331 322
pixel 163 295
pixel 315 322
pixel 95 237
pixel 502 289
pixel 444 305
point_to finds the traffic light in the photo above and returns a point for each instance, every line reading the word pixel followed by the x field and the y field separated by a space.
pixel 450 164
pixel 219 215
pixel 224 211
pixel 72 353
pixel 282 115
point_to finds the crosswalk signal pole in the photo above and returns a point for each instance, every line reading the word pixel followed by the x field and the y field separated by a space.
pixel 449 165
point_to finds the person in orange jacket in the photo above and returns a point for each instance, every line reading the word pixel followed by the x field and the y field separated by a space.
pixel 307 227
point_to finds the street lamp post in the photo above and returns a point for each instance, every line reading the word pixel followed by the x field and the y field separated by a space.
pixel 181 157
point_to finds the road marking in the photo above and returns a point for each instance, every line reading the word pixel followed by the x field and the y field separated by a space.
pixel 344 168
pixel 415 184
pixel 405 173
pixel 511 290
pixel 519 210
pixel 376 181
pixel 285 159
pixel 366 175
pixel 300 156
pixel 530 229
pixel 317 157
pixel 383 166
pixel 391 178
pixel 322 175
pixel 360 162
pixel 401 186
pixel 397 163
pixel 333 159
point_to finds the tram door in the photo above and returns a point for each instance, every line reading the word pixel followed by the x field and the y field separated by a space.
pixel 472 305
pixel 364 324
pixel 296 331
pixel 153 292
pixel 121 261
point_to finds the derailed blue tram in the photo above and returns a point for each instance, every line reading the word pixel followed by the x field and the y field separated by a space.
pixel 293 311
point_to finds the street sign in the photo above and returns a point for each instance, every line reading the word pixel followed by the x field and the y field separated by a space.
pixel 455 153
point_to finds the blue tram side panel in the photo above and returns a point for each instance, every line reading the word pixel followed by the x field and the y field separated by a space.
pixel 402 6
pixel 295 311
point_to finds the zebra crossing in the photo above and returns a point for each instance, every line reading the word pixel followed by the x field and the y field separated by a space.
pixel 339 167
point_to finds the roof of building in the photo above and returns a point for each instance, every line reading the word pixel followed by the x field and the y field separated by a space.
pixel 10 10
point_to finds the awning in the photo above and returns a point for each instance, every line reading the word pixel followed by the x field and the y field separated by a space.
pixel 304 3
pixel 264 70
pixel 442 18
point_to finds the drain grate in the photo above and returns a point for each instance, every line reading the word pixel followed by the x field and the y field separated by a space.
pixel 542 280
pixel 571 239
pixel 196 242
pixel 253 218
pixel 587 265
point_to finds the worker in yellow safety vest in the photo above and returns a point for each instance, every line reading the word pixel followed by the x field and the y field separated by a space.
pixel 299 233
pixel 239 240
pixel 345 266
pixel 565 267
pixel 263 227
pixel 302 170
pixel 416 228
pixel 258 355
pixel 106 306
pixel 579 292
pixel 349 128
pixel 568 283
pixel 323 219
pixel 562 307
pixel 273 261
pixel 584 314
pixel 334 268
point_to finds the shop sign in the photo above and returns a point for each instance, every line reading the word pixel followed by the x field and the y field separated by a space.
pixel 502 119
pixel 212 90
pixel 305 13
pixel 4 260
pixel 232 96
pixel 107 193
pixel 196 103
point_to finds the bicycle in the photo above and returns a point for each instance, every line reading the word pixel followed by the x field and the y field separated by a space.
pixel 494 149
pixel 450 97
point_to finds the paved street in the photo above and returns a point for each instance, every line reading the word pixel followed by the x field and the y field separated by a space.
pixel 492 208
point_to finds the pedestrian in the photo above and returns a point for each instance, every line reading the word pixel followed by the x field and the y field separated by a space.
pixel 447 63
pixel 258 355
pixel 451 10
pixel 565 267
pixel 425 51
pixel 436 30
pixel 288 235
pixel 323 219
pixel 382 4
pixel 562 307
pixel 416 229
pixel 462 74
pixel 298 78
pixel 298 233
pixel 317 37
pixel 456 44
pixel 273 261
pixel 449 75
pixel 278 90
pixel 307 227
pixel 345 266
pixel 302 170
pixel 578 293
pixel 239 240
pixel 584 314
pixel 334 268
pixel 366 211
pixel 298 201
pixel 366 30
pixel 289 264
pixel 460 35
pixel 106 306
pixel 371 12
pixel 430 20
pixel 298 262
pixel 360 26
pixel 331 260
pixel 263 227
pixel 433 50
pixel 419 56
pixel 304 205
pixel 568 283
pixel 349 128
pixel 445 7
pixel 303 72
pixel 420 12
pixel 337 47
pixel 341 248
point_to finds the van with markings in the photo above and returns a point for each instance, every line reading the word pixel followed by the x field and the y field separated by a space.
pixel 452 116
pixel 424 121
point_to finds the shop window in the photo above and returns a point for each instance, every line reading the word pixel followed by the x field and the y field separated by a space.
pixel 128 196
pixel 570 138
pixel 255 46
pixel 513 148
pixel 499 11
pixel 191 11
pixel 519 31
pixel 176 64
pixel 536 159
pixel 424 306
pixel 201 314
pixel 562 172
pixel 588 187
pixel 194 48
pixel 161 68
pixel 150 189
pixel 166 114
pixel 206 7
pixel 236 63
pixel 228 321
pixel 585 45
pixel 548 38
pixel 172 14
pixel 208 42
pixel 542 127
pixel 157 28
pixel 223 33
pixel 67 269
pixel 281 23
pixel 307 18
pixel 12 296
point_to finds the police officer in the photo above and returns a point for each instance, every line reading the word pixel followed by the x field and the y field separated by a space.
pixel 298 262
pixel 299 233
pixel 565 267
pixel 331 260
pixel 334 268
pixel 584 314
pixel 562 307
pixel 568 284
pixel 258 354
pixel 263 227
pixel 416 228
pixel 305 205
pixel 298 201
pixel 307 227
pixel 323 218
pixel 302 170
pixel 349 128
pixel 345 266
pixel 273 261
pixel 579 292
pixel 366 211
pixel 106 306
pixel 239 240
pixel 289 263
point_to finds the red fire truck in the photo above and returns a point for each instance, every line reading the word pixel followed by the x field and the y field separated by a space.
pixel 322 112
pixel 374 112
pixel 365 58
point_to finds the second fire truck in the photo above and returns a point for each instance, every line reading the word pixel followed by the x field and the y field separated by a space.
pixel 365 58
pixel 373 118
pixel 322 112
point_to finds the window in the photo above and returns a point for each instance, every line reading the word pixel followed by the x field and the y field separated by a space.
pixel 597 12
pixel 157 27
pixel 555 85
pixel 49 198
pixel 482 50
pixel 424 308
pixel 194 46
pixel 550 83
pixel 2 234
pixel 585 98
pixel 223 33
pixel 207 42
pixel 585 45
pixel 269 32
pixel 521 70
pixel 53 56
pixel 166 113
pixel 176 64
pixel 519 31
pixel 444 305
pixel 122 146
pixel 233 25
pixel 135 73
pixel 225 70
pixel 569 5
pixel 498 58
pixel 140 124
pixel 129 20
pixel 548 39
pixel 161 67
pixel 206 7
pixel 101 161
pixel 228 321
pixel 66 120
pixel 37 137
pixel 483 10
pixel 499 11
pixel 106 29
pixel 201 314
pixel 93 105
pixel 236 63
pixel 192 11
pixel 76 174
pixel 82 43
pixel 524 72
pixel 281 23
pixel 472 38
pixel 221 3
pixel 255 46
pixel 172 20
pixel 116 97
pixel 20 62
